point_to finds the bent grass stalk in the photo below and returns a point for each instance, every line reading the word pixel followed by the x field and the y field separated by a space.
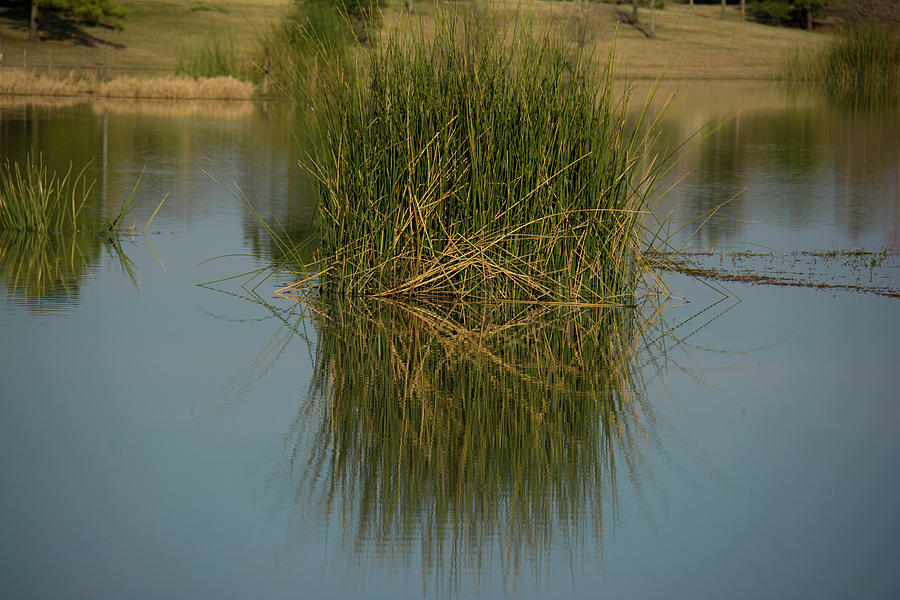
pixel 482 163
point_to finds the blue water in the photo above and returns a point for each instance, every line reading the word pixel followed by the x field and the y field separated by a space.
pixel 147 424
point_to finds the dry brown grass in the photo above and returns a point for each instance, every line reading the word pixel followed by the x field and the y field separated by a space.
pixel 177 88
pixel 219 110
pixel 16 82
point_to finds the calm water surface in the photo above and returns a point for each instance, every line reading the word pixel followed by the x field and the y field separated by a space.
pixel 159 439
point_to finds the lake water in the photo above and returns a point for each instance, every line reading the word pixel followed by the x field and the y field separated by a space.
pixel 162 439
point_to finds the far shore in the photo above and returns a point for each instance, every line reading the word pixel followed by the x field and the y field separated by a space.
pixel 16 82
pixel 691 44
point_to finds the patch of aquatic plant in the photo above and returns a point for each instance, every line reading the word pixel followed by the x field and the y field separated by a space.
pixel 862 271
pixel 860 66
pixel 480 433
pixel 481 162
pixel 35 198
pixel 210 57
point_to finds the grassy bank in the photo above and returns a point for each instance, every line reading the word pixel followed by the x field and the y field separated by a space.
pixel 691 42
pixel 154 32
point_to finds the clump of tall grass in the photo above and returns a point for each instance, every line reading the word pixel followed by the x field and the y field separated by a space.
pixel 480 163
pixel 210 57
pixel 861 65
pixel 34 198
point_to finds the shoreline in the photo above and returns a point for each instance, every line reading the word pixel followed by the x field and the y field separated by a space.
pixel 692 44
pixel 15 82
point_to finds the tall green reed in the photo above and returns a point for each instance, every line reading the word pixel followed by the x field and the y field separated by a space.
pixel 480 162
pixel 859 67
pixel 210 57
pixel 34 198
pixel 294 49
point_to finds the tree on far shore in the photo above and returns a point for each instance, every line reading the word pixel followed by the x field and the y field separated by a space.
pixel 86 11
pixel 798 12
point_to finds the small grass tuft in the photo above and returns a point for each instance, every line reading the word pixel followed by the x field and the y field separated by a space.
pixel 33 198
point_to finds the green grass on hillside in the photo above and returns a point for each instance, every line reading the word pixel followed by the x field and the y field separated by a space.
pixel 154 30
pixel 691 41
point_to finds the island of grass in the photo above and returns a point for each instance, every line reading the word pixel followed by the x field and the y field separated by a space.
pixel 483 160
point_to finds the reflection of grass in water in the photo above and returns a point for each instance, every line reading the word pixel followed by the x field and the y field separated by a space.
pixel 472 429
pixel 47 266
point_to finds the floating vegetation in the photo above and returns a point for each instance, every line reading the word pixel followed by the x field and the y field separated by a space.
pixel 483 435
pixel 480 163
pixel 850 270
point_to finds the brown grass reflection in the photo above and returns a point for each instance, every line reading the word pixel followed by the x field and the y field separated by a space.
pixel 476 439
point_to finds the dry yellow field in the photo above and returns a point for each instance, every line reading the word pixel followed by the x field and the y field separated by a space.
pixel 147 46
pixel 690 43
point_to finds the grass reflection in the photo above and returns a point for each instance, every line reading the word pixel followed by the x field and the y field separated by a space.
pixel 47 267
pixel 488 436
pixel 45 270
